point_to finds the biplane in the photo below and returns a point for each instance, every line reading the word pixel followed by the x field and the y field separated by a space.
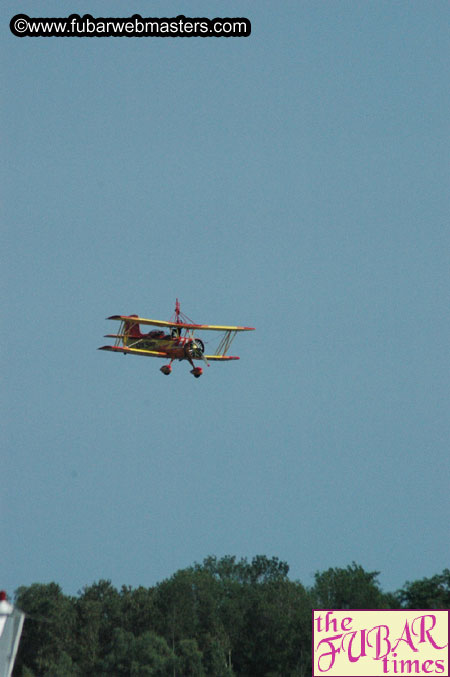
pixel 174 340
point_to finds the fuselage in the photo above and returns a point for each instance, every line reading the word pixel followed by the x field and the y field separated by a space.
pixel 176 347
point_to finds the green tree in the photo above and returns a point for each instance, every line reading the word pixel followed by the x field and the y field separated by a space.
pixel 175 608
pixel 189 659
pixel 63 666
pixel 216 656
pixel 130 656
pixel 99 612
pixel 47 640
pixel 427 593
pixel 266 619
pixel 350 588
pixel 138 609
pixel 276 637
pixel 260 569
pixel 188 607
pixel 224 617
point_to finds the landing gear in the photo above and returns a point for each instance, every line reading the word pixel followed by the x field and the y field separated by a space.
pixel 197 372
pixel 166 369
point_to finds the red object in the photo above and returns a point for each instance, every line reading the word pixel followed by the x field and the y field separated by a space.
pixel 2 596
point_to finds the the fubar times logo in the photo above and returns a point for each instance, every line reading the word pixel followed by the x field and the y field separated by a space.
pixel 368 643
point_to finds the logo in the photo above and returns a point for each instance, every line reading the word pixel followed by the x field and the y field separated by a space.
pixel 372 642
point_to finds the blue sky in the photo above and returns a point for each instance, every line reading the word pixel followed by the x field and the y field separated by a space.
pixel 295 181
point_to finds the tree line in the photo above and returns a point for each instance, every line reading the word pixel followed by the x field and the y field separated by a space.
pixel 221 618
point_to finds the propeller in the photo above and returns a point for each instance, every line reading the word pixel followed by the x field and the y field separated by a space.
pixel 199 349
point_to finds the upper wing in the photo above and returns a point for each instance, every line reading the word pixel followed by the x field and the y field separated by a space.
pixel 213 327
pixel 134 351
pixel 162 323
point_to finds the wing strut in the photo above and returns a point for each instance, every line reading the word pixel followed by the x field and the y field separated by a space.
pixel 226 342
pixel 121 334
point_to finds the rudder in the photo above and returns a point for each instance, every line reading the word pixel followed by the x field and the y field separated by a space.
pixel 131 329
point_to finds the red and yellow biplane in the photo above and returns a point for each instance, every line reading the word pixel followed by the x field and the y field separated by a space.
pixel 179 343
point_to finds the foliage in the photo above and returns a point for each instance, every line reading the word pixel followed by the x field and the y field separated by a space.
pixel 131 656
pixel 221 618
pixel 350 588
pixel 428 593
pixel 47 640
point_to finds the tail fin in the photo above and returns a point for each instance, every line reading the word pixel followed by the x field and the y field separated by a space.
pixel 131 328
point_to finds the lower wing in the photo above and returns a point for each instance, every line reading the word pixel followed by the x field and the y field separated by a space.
pixel 134 351
pixel 155 353
pixel 222 358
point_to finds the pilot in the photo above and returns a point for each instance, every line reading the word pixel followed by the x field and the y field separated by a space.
pixel 156 334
